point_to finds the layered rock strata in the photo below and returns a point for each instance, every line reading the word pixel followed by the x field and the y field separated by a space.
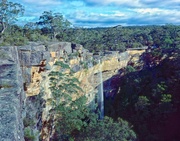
pixel 12 95
pixel 26 68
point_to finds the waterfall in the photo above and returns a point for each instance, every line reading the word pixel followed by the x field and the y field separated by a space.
pixel 101 93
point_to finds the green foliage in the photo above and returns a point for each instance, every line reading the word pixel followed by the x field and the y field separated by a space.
pixel 14 40
pixel 108 130
pixel 168 42
pixel 28 122
pixel 142 103
pixel 53 26
pixel 68 112
pixel 85 65
pixel 166 98
pixel 72 117
pixel 130 69
pixel 33 33
pixel 119 38
pixel 14 36
pixel 9 12
pixel 149 99
pixel 35 36
pixel 28 134
pixel 54 22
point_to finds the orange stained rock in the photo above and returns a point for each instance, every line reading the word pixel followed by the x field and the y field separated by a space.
pixel 53 54
pixel 74 61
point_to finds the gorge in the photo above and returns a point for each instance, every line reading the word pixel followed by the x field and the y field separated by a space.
pixel 24 72
pixel 117 79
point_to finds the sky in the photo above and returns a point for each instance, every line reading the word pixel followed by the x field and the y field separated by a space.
pixel 105 13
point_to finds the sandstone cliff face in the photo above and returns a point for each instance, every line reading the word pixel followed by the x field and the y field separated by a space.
pixel 12 95
pixel 109 65
pixel 26 68
pixel 20 77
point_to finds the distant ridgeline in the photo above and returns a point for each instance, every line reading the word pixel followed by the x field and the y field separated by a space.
pixel 23 73
pixel 119 38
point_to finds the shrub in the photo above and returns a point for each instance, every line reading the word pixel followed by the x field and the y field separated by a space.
pixel 28 134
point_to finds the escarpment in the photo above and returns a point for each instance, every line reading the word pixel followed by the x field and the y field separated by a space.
pixel 12 95
pixel 24 75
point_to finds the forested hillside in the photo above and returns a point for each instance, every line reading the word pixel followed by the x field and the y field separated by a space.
pixel 54 27
pixel 119 38
pixel 149 99
pixel 99 39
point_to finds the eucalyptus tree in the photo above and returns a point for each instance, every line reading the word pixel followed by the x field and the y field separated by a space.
pixel 9 12
pixel 54 22
pixel 69 108
pixel 72 118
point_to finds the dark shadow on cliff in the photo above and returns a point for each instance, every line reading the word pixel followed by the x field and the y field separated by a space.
pixel 149 99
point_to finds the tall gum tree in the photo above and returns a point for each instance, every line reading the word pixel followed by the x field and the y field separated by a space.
pixel 53 22
pixel 9 13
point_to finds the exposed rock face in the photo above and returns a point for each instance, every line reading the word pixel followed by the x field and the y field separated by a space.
pixel 26 69
pixel 89 78
pixel 11 95
pixel 109 66
pixel 36 58
pixel 21 72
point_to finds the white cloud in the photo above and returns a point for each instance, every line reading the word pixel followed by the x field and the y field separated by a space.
pixel 82 15
pixel 117 2
pixel 137 3
pixel 134 16
pixel 43 2
pixel 155 15
pixel 157 11
pixel 114 14
pixel 161 3
pixel 107 12
pixel 119 14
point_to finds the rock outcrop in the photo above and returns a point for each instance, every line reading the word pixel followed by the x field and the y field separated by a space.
pixel 12 95
pixel 25 69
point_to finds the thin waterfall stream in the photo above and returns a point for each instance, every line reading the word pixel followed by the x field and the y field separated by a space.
pixel 101 93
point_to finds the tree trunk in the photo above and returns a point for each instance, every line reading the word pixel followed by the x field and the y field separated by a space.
pixel 3 28
pixel 2 31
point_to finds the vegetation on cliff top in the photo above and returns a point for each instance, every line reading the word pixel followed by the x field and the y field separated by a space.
pixel 53 26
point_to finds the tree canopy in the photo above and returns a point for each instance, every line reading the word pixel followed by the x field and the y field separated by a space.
pixel 53 23
pixel 9 13
pixel 73 119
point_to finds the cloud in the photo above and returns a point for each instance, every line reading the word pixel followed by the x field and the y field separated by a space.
pixel 94 13
pixel 156 11
pixel 82 18
pixel 132 3
pixel 163 4
pixel 42 2
pixel 136 3
pixel 137 16
pixel 159 15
